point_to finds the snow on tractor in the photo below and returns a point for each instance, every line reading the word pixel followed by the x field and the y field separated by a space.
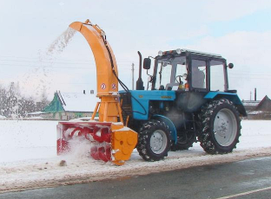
pixel 187 100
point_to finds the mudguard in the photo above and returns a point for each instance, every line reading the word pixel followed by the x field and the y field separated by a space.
pixel 230 96
pixel 169 123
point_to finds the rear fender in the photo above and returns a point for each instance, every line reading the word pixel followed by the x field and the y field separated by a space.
pixel 170 124
pixel 230 96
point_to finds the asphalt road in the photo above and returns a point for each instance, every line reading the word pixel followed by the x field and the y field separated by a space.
pixel 239 180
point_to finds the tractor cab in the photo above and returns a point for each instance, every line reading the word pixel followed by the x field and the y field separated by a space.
pixel 186 70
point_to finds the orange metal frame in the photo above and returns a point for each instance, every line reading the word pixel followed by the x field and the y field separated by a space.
pixel 107 71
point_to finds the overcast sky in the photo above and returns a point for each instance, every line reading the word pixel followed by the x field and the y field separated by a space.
pixel 240 30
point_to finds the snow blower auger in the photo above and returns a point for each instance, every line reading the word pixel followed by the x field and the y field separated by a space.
pixel 111 140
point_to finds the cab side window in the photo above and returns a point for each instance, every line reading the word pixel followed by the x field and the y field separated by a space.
pixel 217 78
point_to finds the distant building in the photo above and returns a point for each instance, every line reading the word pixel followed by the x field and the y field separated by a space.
pixel 250 105
pixel 66 106
pixel 264 105
pixel 258 109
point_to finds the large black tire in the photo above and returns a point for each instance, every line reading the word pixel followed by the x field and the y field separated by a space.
pixel 220 125
pixel 153 140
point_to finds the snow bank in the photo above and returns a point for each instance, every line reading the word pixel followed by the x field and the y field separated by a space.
pixel 28 156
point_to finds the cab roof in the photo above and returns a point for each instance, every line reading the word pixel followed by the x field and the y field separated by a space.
pixel 187 51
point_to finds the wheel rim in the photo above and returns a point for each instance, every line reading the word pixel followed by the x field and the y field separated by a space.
pixel 158 141
pixel 225 127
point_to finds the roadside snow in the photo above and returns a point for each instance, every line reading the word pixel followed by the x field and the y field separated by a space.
pixel 28 156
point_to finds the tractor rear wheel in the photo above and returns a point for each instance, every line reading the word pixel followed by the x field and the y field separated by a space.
pixel 153 140
pixel 220 127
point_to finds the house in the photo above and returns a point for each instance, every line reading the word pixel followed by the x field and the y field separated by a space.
pixel 35 115
pixel 261 110
pixel 66 106
pixel 264 105
pixel 250 105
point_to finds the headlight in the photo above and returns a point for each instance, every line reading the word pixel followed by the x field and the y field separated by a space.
pixel 160 53
pixel 178 51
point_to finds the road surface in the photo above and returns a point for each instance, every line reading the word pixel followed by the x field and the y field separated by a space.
pixel 239 180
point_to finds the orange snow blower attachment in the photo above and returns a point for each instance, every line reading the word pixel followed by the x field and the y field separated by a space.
pixel 109 139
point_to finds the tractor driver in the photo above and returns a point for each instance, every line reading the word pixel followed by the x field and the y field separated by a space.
pixel 198 77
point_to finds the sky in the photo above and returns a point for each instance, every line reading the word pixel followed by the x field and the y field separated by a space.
pixel 238 30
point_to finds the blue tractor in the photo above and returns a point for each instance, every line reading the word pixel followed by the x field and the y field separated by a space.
pixel 187 99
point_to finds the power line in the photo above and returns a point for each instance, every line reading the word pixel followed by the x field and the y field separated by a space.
pixel 52 59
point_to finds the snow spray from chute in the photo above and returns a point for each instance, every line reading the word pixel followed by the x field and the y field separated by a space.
pixel 54 50
pixel 39 80
pixel 61 42
pixel 36 83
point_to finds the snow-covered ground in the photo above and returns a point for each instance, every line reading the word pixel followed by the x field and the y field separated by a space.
pixel 28 156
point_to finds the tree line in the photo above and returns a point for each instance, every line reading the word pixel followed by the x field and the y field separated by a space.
pixel 14 105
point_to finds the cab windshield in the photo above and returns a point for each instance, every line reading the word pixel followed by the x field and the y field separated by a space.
pixel 171 73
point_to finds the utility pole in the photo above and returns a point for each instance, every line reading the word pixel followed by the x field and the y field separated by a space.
pixel 255 94
pixel 133 75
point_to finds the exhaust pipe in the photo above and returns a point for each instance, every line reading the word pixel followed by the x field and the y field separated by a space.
pixel 139 82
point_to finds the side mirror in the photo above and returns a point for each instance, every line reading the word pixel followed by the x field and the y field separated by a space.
pixel 147 63
pixel 230 65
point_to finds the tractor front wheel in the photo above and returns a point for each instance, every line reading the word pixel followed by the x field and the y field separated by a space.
pixel 153 140
pixel 220 127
